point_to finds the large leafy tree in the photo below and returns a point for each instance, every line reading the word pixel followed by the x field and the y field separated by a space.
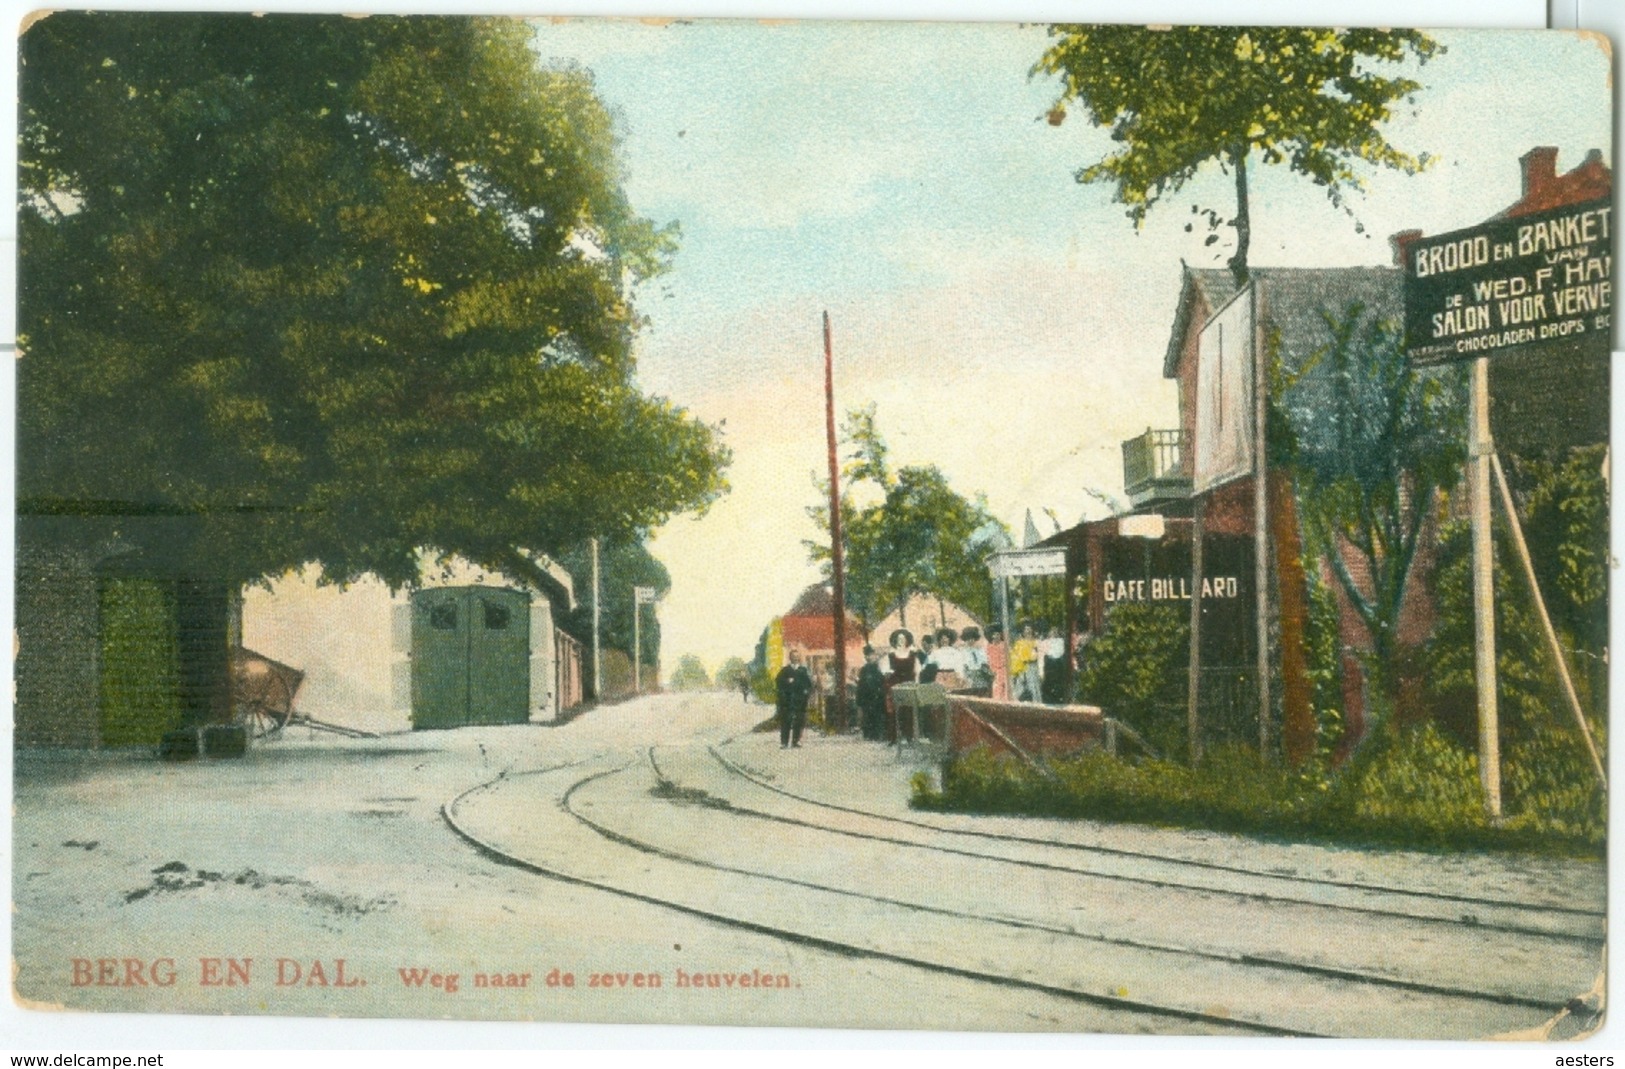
pixel 732 671
pixel 690 674
pixel 337 288
pixel 1176 99
pixel 622 565
pixel 916 535
pixel 1373 441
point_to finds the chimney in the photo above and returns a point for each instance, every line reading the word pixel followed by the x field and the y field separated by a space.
pixel 1401 243
pixel 1539 171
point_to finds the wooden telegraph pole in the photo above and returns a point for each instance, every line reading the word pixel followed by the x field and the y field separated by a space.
pixel 837 556
pixel 1480 449
pixel 1261 517
pixel 597 649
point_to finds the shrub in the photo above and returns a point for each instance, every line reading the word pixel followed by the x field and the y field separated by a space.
pixel 1410 783
pixel 1412 787
pixel 1137 671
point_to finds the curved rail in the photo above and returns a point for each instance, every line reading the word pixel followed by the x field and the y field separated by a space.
pixel 1214 866
pixel 1118 1003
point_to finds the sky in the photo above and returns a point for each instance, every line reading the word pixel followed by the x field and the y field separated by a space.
pixel 1006 322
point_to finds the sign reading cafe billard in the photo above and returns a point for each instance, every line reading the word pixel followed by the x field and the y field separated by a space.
pixel 1510 283
pixel 1168 588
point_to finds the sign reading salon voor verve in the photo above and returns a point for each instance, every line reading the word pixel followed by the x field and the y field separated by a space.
pixel 1510 283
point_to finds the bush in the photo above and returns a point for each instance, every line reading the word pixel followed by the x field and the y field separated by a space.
pixel 1413 784
pixel 762 685
pixel 1411 787
pixel 1137 670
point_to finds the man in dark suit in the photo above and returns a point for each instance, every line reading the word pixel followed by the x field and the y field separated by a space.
pixel 794 686
pixel 872 695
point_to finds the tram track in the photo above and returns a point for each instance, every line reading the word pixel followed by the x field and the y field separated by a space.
pixel 1116 1003
pixel 1262 960
pixel 1169 955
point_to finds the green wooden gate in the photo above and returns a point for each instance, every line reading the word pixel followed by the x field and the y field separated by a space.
pixel 139 679
pixel 470 657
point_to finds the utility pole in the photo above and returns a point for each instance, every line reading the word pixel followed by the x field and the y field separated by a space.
pixel 837 555
pixel 1480 449
pixel 1193 694
pixel 1261 516
pixel 597 655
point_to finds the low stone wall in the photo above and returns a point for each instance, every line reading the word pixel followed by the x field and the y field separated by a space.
pixel 1040 730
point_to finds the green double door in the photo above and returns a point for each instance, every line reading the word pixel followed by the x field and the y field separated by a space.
pixel 470 657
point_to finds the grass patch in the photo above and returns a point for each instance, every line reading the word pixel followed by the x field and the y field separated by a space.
pixel 1411 788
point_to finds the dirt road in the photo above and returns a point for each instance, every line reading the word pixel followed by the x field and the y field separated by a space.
pixel 658 862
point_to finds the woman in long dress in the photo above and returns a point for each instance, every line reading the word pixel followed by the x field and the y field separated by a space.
pixel 900 665
pixel 998 659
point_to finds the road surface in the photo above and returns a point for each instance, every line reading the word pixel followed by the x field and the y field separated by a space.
pixel 660 862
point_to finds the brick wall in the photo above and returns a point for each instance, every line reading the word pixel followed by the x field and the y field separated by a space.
pixel 56 644
pixel 1047 730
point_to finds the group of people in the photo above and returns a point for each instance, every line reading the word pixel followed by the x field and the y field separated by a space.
pixel 1030 669
pixel 958 660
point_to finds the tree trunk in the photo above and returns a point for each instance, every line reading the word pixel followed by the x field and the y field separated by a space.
pixel 1297 705
pixel 1243 223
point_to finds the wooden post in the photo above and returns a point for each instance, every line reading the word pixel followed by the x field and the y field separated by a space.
pixel 637 644
pixel 1069 685
pixel 1004 624
pixel 1097 572
pixel 1193 718
pixel 1546 621
pixel 836 721
pixel 1292 596
pixel 597 659
pixel 1480 447
pixel 1261 519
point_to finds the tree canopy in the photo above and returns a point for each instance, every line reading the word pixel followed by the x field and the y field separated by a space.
pixel 1177 98
pixel 1371 449
pixel 690 674
pixel 622 564
pixel 918 537
pixel 732 671
pixel 339 288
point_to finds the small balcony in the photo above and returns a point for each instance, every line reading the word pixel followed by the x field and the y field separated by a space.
pixel 1155 469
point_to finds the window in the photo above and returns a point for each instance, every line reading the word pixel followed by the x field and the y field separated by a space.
pixel 496 615
pixel 443 617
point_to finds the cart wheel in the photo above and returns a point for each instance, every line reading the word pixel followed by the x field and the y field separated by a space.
pixel 264 702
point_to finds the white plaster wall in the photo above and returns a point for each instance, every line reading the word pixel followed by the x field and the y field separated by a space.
pixel 544 706
pixel 339 637
pixel 354 642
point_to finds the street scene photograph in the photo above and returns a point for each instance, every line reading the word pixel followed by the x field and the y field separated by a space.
pixel 925 527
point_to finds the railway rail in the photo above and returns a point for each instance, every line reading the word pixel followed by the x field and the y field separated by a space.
pixel 688 810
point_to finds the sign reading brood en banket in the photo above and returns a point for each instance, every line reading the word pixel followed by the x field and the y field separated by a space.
pixel 1510 283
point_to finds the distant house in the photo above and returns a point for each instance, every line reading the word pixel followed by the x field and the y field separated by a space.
pixel 810 627
pixel 921 614
pixel 465 646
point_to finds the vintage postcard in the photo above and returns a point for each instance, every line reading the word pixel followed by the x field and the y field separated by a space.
pixel 1073 528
